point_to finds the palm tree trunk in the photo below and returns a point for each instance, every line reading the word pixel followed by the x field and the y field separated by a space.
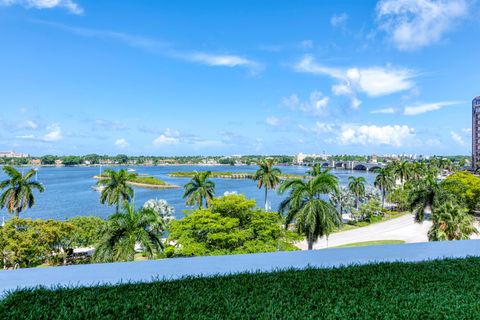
pixel 266 199
pixel 310 241
pixel 356 201
pixel 383 199
pixel 116 207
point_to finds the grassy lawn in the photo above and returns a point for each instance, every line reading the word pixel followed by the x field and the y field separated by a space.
pixel 369 243
pixel 442 289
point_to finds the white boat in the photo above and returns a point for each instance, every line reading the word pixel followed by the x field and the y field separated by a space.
pixel 98 188
pixel 131 170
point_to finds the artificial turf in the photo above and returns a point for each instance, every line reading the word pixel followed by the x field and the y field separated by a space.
pixel 442 289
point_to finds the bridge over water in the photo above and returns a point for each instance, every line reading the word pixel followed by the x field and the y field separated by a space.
pixel 349 165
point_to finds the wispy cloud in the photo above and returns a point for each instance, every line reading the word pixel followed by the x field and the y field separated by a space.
pixel 52 133
pixel 339 20
pixel 315 105
pixel 383 111
pixel 457 138
pixel 164 48
pixel 412 24
pixel 121 143
pixel 373 81
pixel 69 5
pixel 427 107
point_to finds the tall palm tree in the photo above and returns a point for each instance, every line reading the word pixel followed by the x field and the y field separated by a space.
pixel 343 199
pixel 267 176
pixel 18 195
pixel 357 186
pixel 451 222
pixel 426 193
pixel 314 215
pixel 316 170
pixel 127 231
pixel 199 188
pixel 418 170
pixel 385 182
pixel 115 188
pixel 402 171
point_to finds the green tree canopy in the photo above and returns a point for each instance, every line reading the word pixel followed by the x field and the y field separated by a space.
pixel 465 187
pixel 231 225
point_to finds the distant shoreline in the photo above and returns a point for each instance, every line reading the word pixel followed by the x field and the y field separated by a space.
pixel 145 185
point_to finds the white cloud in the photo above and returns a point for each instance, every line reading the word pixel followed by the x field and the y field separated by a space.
pixel 467 130
pixel 163 48
pixel 69 5
pixel 29 124
pixel 54 133
pixel 383 111
pixel 339 20
pixel 355 103
pixel 457 138
pixel 413 24
pixel 315 105
pixel 391 135
pixel 273 121
pixel 221 60
pixel 319 128
pixel 121 143
pixel 169 137
pixel 422 108
pixel 307 44
pixel 373 81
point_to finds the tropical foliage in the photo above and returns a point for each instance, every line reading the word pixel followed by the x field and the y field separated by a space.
pixel 115 188
pixel 131 231
pixel 231 225
pixel 267 177
pixel 385 182
pixel 356 185
pixel 451 222
pixel 17 190
pixel 199 189
pixel 308 204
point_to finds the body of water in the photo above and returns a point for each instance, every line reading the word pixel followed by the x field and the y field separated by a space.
pixel 69 193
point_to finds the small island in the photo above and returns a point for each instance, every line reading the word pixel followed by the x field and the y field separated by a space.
pixel 143 181
pixel 231 175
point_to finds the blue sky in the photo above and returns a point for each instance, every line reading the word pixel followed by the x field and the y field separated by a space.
pixel 238 77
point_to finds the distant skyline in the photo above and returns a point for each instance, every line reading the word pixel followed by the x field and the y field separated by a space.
pixel 238 77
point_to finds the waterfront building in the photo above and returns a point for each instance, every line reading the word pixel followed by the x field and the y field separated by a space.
pixel 475 132
pixel 12 154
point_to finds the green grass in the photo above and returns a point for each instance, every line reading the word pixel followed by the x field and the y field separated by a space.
pixel 369 243
pixel 148 180
pixel 442 289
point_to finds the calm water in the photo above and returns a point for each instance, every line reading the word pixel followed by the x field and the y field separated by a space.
pixel 68 190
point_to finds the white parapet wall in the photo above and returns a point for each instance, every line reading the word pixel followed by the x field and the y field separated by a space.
pixel 168 269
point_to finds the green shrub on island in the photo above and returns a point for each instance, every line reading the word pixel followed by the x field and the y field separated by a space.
pixel 141 179
pixel 230 175
pixel 230 225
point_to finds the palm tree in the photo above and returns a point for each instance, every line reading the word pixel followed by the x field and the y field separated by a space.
pixel 115 188
pixel 316 170
pixel 343 199
pixel 199 188
pixel 314 215
pixel 18 195
pixel 129 230
pixel 357 187
pixel 451 222
pixel 267 176
pixel 402 171
pixel 418 170
pixel 385 182
pixel 426 193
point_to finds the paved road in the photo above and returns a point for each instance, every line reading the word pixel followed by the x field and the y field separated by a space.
pixel 402 228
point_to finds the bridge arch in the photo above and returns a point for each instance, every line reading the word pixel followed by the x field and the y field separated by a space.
pixel 373 168
pixel 360 166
